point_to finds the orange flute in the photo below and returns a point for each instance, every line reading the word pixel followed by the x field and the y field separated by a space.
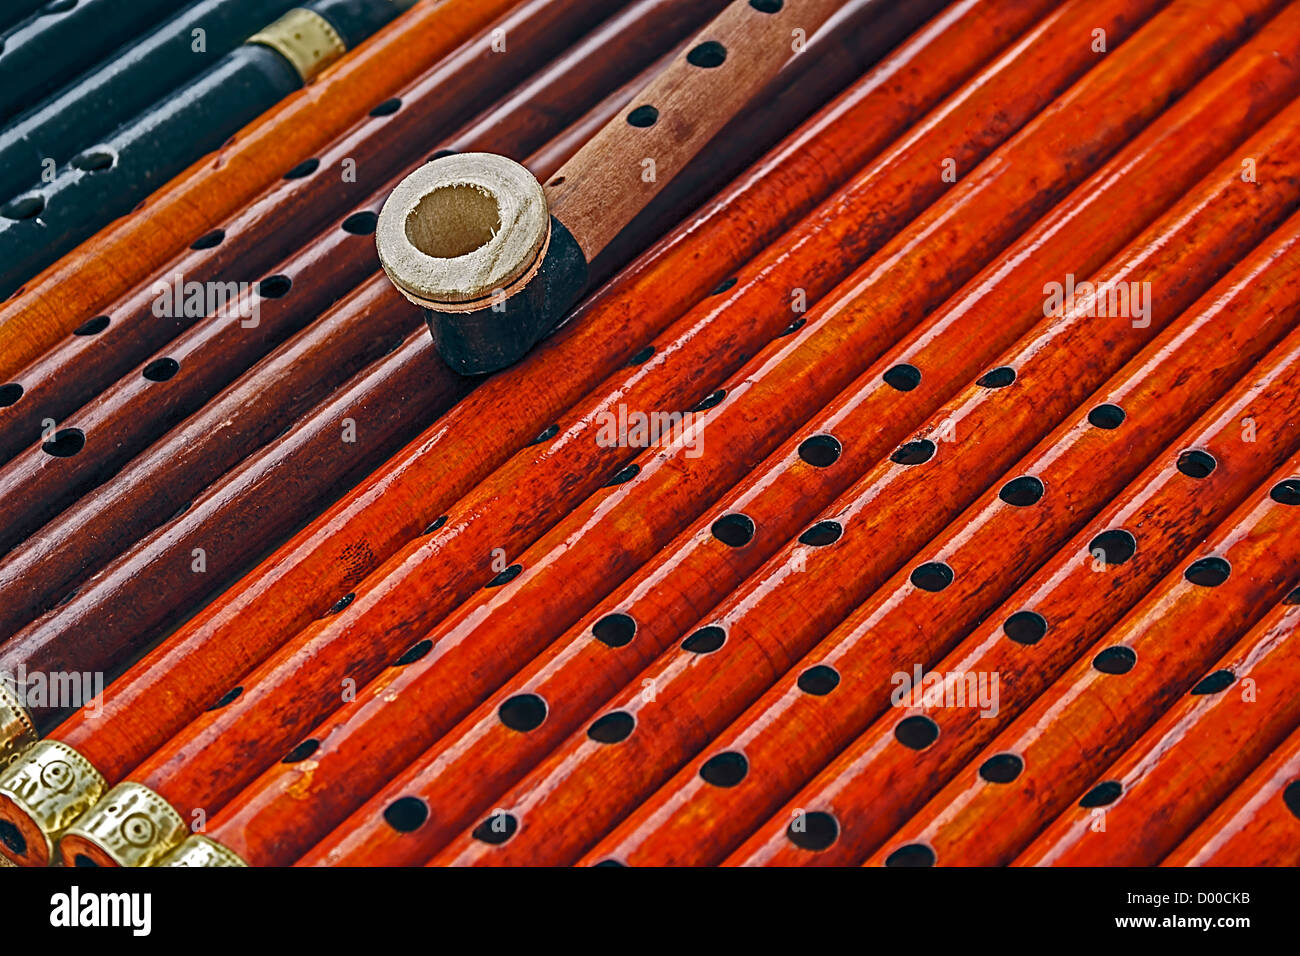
pixel 798 596
pixel 1259 824
pixel 314 571
pixel 884 776
pixel 78 286
pixel 793 731
pixel 301 679
pixel 665 596
pixel 997 803
pixel 1185 765
pixel 291 215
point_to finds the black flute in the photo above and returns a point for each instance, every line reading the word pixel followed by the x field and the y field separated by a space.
pixel 108 179
pixel 34 144
pixel 64 37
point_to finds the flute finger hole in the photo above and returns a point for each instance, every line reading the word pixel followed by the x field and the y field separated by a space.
pixel 360 223
pixel 1106 416
pixel 9 394
pixel 1114 546
pixel 643 116
pixel 406 814
pixel 822 534
pixel 523 712
pixel 726 769
pixel 612 728
pixel 160 370
pixel 614 630
pixel 273 287
pixel 301 752
pixel 1286 492
pixel 820 451
pixel 303 169
pixel 1214 683
pixel 92 326
pixel 1102 795
pixel 914 452
pixel 1115 660
pixel 1001 768
pixel 209 240
pixel 911 854
pixel 916 732
pixel 1022 492
pixel 387 107
pixel 496 829
pixel 932 576
pixel 813 831
pixel 1195 463
pixel 1025 627
pixel 1208 572
pixel 707 55
pixel 65 443
pixel 902 377
pixel 734 530
pixel 706 640
pixel 819 680
pixel 999 377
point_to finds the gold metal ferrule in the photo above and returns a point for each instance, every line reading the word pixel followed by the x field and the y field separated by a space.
pixel 304 38
pixel 131 825
pixel 53 785
pixel 201 851
pixel 17 732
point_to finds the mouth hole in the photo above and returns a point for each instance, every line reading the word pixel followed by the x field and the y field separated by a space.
pixel 453 221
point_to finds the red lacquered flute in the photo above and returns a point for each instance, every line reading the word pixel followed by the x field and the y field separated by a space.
pixel 374 621
pixel 1030 772
pixel 230 427
pixel 1258 825
pixel 800 724
pixel 491 737
pixel 892 769
pixel 798 596
pixel 287 215
pixel 731 219
pixel 1190 761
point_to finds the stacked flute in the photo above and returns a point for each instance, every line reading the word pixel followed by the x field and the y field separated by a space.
pixel 909 476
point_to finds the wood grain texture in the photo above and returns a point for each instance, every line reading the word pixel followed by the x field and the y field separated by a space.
pixel 602 188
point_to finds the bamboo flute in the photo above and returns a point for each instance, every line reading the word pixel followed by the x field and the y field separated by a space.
pixel 1041 501
pixel 201 662
pixel 1033 769
pixel 79 286
pixel 1189 761
pixel 121 421
pixel 1258 825
pixel 302 678
pixel 489 634
pixel 311 197
pixel 782 611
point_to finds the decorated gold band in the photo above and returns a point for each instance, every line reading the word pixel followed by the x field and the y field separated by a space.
pixel 17 732
pixel 304 38
pixel 53 785
pixel 200 851
pixel 131 824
